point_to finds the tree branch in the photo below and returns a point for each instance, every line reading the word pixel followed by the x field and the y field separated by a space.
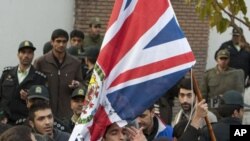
pixel 231 15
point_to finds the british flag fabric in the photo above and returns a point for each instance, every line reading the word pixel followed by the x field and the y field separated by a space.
pixel 143 54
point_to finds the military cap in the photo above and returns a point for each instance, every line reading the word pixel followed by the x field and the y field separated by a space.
pixel 38 91
pixel 79 92
pixel 91 51
pixel 233 97
pixel 26 44
pixel 223 53
pixel 237 32
pixel 95 21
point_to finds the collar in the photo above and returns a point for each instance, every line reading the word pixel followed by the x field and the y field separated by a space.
pixel 74 118
pixel 219 71
pixel 57 60
pixel 231 120
pixel 153 134
pixel 50 59
pixel 25 71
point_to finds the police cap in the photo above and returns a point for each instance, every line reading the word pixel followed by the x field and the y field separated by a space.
pixel 26 44
pixel 38 91
pixel 79 92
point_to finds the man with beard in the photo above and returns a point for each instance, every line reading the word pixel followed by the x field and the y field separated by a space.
pixel 15 81
pixel 153 127
pixel 41 120
pixel 187 100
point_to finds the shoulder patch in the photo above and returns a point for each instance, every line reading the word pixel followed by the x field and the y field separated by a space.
pixel 8 68
pixel 209 70
pixel 40 74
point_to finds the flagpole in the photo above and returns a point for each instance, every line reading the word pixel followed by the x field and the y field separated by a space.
pixel 199 96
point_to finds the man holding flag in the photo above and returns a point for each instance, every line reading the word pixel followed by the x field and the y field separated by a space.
pixel 143 54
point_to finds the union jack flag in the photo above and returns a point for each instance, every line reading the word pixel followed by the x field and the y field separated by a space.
pixel 144 53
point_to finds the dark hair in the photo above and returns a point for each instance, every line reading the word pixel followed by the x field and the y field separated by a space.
pixel 91 24
pixel 92 59
pixel 47 47
pixel 16 133
pixel 225 110
pixel 41 105
pixel 76 33
pixel 185 83
pixel 59 33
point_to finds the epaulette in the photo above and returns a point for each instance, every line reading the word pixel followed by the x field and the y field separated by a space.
pixel 209 70
pixel 8 68
pixel 20 121
pixel 59 126
pixel 40 73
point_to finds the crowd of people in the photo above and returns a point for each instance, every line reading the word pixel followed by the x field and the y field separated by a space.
pixel 44 100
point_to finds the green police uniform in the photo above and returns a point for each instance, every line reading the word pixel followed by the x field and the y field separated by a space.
pixel 94 40
pixel 215 83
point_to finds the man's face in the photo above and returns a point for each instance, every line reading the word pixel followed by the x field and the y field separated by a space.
pixel 43 122
pixel 59 44
pixel 146 121
pixel 77 104
pixel 186 99
pixel 25 56
pixel 95 30
pixel 76 41
pixel 236 39
pixel 115 133
pixel 223 62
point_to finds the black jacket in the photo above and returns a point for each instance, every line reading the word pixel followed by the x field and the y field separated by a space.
pixel 10 91
pixel 221 129
pixel 238 59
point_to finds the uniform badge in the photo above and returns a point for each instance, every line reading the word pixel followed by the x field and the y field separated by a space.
pixel 80 92
pixel 38 90
pixel 9 78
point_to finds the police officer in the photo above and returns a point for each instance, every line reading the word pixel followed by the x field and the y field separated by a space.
pixel 221 78
pixel 76 103
pixel 90 57
pixel 15 81
pixel 94 38
pixel 38 94
pixel 239 56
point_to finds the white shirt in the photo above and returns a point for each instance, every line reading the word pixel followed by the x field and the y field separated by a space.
pixel 22 74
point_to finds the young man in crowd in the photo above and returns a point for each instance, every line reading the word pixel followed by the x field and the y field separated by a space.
pixel 76 42
pixel 63 72
pixel 153 127
pixel 41 120
pixel 187 100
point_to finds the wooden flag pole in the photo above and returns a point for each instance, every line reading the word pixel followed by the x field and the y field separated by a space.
pixel 199 96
